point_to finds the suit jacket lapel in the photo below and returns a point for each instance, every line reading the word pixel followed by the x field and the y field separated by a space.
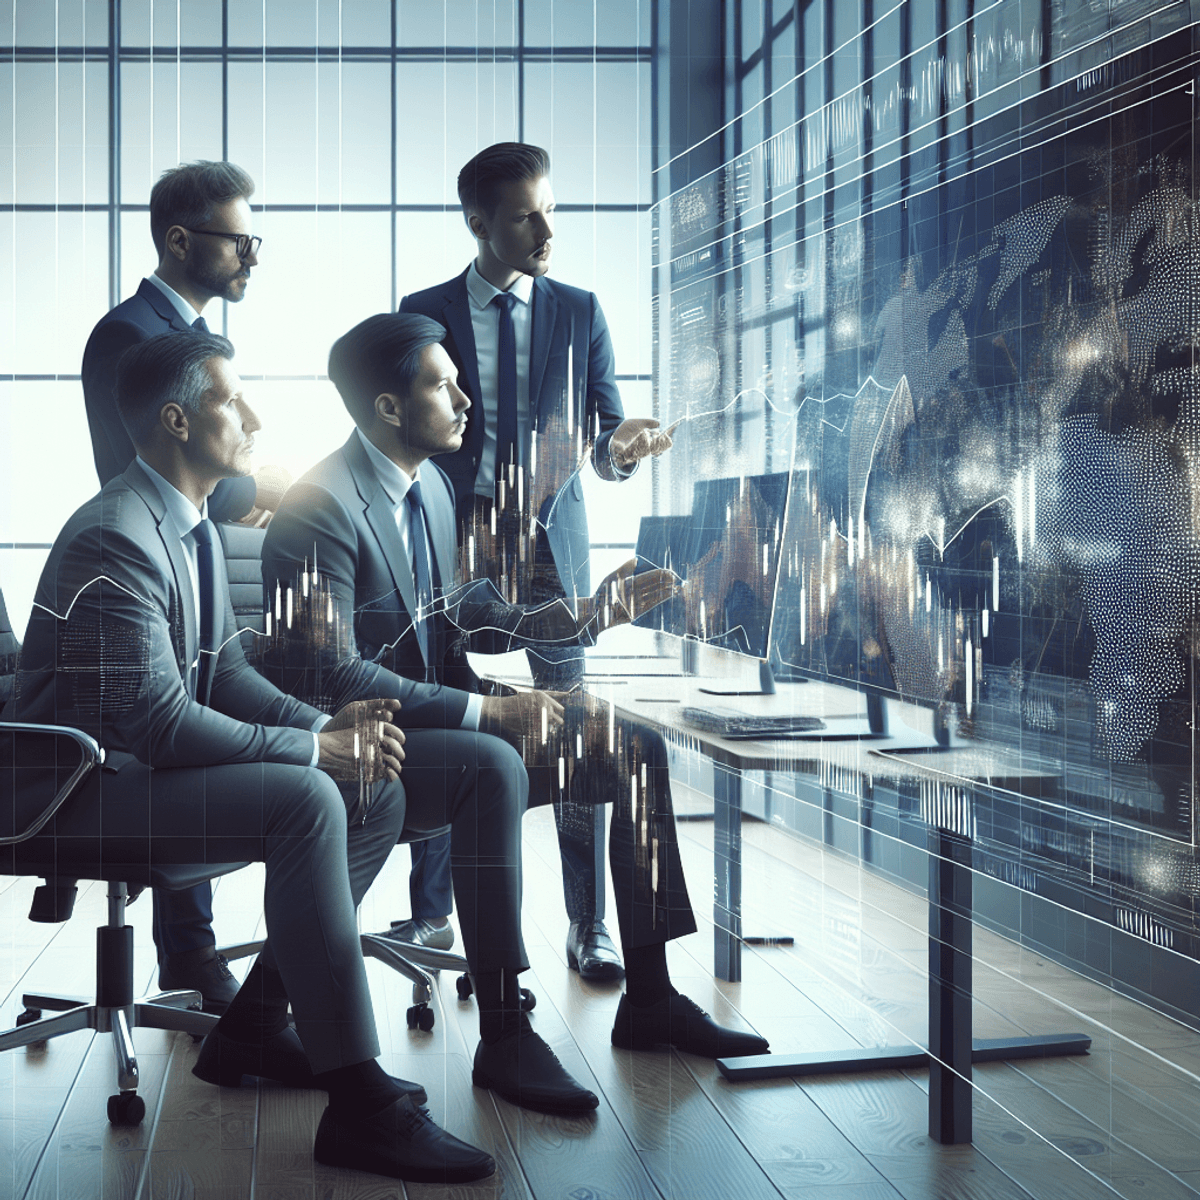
pixel 161 305
pixel 141 483
pixel 382 519
pixel 545 318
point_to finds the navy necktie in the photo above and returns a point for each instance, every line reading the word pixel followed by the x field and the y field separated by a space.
pixel 507 449
pixel 200 325
pixel 205 536
pixel 422 572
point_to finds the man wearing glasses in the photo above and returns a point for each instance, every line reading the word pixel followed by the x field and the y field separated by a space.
pixel 200 223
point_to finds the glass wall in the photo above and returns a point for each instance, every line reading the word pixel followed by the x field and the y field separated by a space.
pixel 943 282
pixel 353 117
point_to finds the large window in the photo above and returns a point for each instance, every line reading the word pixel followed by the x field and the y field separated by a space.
pixel 353 117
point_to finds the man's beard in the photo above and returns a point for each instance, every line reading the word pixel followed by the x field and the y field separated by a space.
pixel 218 284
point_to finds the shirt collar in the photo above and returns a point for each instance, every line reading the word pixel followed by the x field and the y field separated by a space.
pixel 187 314
pixel 180 509
pixel 393 479
pixel 483 293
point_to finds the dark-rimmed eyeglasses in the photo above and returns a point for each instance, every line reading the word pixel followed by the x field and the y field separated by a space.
pixel 244 245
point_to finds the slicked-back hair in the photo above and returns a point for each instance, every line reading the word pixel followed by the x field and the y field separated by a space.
pixel 505 162
pixel 381 354
pixel 187 194
pixel 170 367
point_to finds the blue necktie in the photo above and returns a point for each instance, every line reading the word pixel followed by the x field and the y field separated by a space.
pixel 506 392
pixel 422 572
pixel 200 325
pixel 205 536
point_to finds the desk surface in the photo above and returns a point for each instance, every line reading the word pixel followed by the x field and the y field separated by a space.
pixel 638 672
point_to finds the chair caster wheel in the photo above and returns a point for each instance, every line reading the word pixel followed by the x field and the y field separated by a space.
pixel 465 987
pixel 528 1000
pixel 126 1108
pixel 420 1016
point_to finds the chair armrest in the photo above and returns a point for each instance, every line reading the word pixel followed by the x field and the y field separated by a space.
pixel 91 755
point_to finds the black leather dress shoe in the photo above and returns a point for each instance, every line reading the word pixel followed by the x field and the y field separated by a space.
pixel 682 1023
pixel 591 952
pixel 204 971
pixel 401 1142
pixel 421 933
pixel 225 1062
pixel 526 1072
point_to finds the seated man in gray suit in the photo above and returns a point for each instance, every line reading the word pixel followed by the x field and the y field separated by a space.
pixel 375 522
pixel 132 638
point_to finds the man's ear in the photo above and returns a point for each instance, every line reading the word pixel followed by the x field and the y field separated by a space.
pixel 174 420
pixel 478 226
pixel 389 408
pixel 178 242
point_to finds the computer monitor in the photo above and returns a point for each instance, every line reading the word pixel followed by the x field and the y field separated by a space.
pixel 727 552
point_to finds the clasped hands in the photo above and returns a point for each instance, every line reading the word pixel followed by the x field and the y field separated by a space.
pixel 361 743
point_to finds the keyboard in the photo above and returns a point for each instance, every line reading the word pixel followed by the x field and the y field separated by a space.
pixel 733 723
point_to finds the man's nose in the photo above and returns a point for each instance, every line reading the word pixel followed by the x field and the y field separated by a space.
pixel 250 421
pixel 461 400
pixel 251 260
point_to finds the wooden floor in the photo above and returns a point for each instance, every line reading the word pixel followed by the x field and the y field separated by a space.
pixel 1123 1121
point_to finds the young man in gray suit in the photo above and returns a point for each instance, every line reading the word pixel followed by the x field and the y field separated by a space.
pixel 376 521
pixel 513 335
pixel 132 638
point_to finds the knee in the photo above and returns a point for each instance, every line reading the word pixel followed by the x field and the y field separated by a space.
pixel 501 771
pixel 316 800
pixel 388 806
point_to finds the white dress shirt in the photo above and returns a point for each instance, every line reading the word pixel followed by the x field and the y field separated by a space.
pixel 396 482
pixel 485 321
pixel 185 516
pixel 187 313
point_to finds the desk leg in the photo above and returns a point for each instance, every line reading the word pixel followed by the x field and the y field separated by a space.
pixel 727 873
pixel 949 987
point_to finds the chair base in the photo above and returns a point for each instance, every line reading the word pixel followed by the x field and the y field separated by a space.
pixel 171 1011
pixel 411 960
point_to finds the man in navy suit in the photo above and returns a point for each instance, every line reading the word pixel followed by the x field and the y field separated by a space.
pixel 515 337
pixel 200 223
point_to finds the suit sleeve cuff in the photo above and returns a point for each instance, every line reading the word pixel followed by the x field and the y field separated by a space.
pixel 317 726
pixel 474 708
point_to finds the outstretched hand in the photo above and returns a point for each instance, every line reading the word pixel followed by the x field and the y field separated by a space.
pixel 637 438
pixel 623 595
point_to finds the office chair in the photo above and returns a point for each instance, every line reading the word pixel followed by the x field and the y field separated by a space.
pixel 32 760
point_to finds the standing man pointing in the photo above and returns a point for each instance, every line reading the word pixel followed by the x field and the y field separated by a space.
pixel 536 360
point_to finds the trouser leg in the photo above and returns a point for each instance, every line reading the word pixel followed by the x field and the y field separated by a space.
pixel 580 827
pixel 183 920
pixel 429 885
pixel 649 890
pixel 293 819
pixel 476 784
